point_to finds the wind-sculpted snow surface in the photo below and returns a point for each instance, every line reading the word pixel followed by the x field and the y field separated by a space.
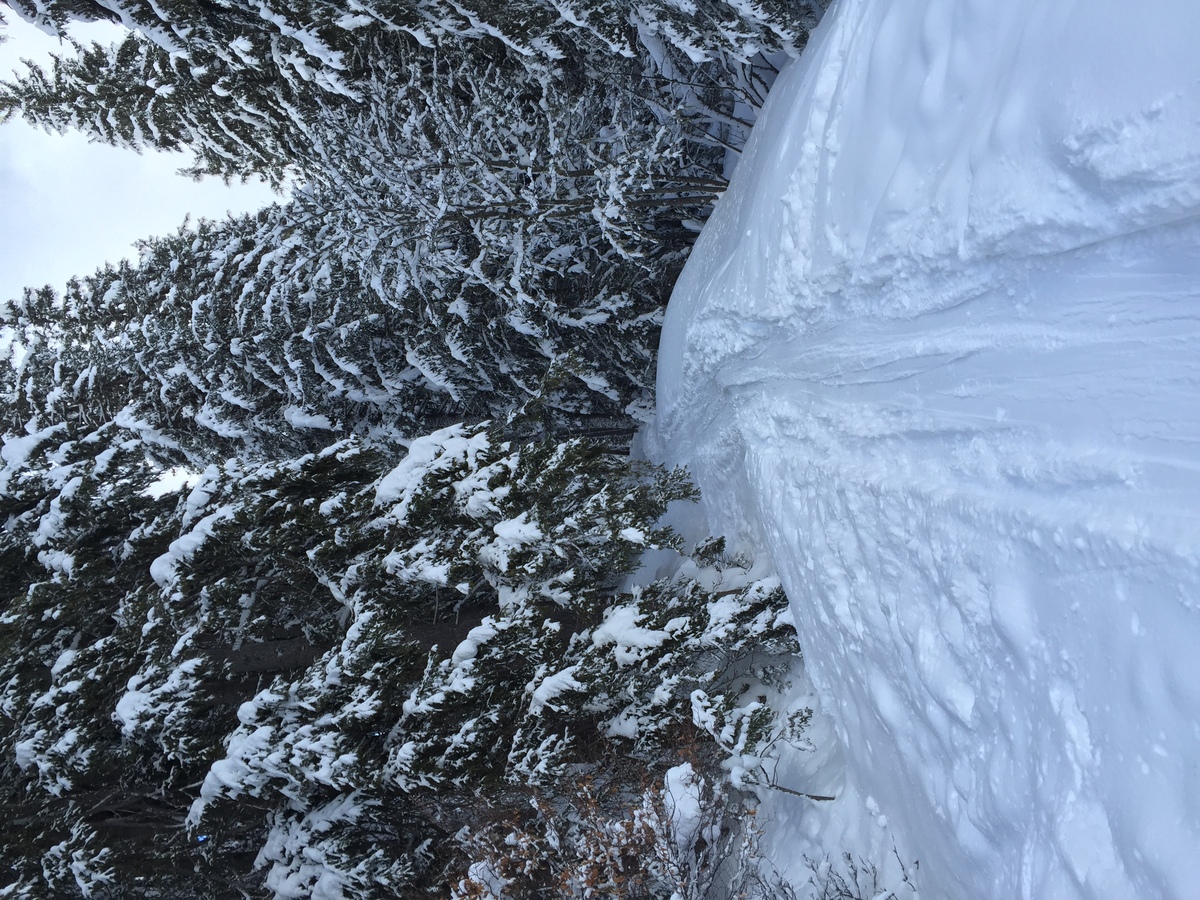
pixel 938 350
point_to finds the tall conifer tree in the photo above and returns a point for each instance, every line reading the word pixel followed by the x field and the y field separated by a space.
pixel 237 121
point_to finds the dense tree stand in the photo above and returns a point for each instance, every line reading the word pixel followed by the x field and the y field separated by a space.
pixel 325 558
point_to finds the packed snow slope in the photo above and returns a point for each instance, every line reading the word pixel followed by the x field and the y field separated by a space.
pixel 938 350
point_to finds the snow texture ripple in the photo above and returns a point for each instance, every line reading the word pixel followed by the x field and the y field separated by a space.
pixel 938 351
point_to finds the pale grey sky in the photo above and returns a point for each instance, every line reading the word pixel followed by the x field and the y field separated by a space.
pixel 67 206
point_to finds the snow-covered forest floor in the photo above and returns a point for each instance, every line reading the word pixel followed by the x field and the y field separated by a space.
pixel 936 354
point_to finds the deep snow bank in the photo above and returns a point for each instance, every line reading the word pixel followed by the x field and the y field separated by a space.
pixel 939 350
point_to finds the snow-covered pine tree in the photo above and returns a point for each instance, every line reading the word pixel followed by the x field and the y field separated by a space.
pixel 78 533
pixel 296 42
pixel 342 644
pixel 53 17
pixel 327 666
pixel 726 32
pixel 467 576
pixel 238 122
pixel 224 339
pixel 259 332
pixel 486 190
pixel 704 66
pixel 314 32
pixel 506 201
pixel 498 209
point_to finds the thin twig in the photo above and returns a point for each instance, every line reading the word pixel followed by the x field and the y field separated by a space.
pixel 818 797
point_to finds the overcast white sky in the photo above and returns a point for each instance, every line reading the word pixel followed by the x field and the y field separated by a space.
pixel 67 206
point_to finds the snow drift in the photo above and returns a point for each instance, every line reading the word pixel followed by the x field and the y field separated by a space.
pixel 938 351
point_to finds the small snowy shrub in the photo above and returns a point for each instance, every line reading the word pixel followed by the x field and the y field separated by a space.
pixel 857 879
pixel 685 837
